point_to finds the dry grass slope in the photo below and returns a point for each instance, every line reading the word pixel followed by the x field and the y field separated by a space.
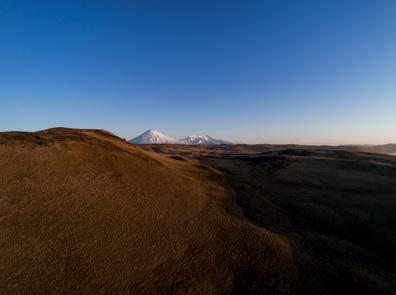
pixel 84 212
pixel 337 208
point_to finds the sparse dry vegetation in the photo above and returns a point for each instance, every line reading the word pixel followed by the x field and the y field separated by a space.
pixel 84 212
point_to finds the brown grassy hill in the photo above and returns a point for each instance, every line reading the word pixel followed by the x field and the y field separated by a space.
pixel 84 212
pixel 337 209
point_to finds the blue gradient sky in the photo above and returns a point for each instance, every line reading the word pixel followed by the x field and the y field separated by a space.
pixel 317 72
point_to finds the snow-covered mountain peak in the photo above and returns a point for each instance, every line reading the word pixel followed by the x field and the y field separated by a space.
pixel 202 140
pixel 153 136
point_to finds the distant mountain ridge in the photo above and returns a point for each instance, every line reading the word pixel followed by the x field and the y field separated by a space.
pixel 156 137
pixel 202 140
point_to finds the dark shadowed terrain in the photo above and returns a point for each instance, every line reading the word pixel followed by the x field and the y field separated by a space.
pixel 389 149
pixel 84 212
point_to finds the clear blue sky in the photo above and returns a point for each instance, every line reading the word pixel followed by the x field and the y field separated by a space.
pixel 321 72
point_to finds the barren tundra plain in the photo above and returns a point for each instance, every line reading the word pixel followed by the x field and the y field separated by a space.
pixel 85 212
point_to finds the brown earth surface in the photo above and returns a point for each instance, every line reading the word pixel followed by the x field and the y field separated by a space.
pixel 85 212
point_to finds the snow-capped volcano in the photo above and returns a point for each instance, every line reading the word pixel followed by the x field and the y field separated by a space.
pixel 156 137
pixel 202 140
pixel 153 136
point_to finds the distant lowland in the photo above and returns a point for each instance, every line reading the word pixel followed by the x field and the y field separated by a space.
pixel 155 137
pixel 389 149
